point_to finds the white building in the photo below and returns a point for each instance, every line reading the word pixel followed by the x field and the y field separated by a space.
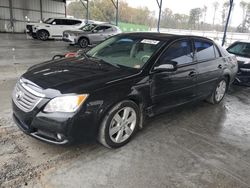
pixel 15 13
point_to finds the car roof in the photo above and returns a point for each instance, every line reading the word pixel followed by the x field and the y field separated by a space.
pixel 163 36
pixel 67 18
pixel 244 41
pixel 102 24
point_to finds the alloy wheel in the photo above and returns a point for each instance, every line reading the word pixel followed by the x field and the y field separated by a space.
pixel 220 90
pixel 83 43
pixel 43 35
pixel 122 125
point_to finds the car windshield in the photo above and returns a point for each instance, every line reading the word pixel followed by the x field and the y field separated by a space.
pixel 88 27
pixel 240 49
pixel 49 21
pixel 127 51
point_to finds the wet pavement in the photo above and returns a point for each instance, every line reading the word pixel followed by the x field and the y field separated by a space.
pixel 198 145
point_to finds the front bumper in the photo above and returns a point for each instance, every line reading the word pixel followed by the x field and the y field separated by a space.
pixel 243 75
pixel 55 128
pixel 70 39
pixel 243 78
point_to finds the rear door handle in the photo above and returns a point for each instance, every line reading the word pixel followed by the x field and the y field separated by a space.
pixel 192 74
pixel 220 66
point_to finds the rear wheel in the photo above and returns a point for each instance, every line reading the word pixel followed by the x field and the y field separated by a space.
pixel 219 92
pixel 119 124
pixel 83 42
pixel 43 35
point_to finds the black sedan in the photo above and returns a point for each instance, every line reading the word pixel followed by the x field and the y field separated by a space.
pixel 242 51
pixel 108 91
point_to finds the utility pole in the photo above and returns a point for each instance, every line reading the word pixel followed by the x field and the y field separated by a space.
pixel 116 5
pixel 86 6
pixel 226 26
pixel 11 16
pixel 159 2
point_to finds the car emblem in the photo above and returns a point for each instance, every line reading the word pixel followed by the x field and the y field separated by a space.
pixel 19 95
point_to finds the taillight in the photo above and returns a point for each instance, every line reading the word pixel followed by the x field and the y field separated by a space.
pixel 71 54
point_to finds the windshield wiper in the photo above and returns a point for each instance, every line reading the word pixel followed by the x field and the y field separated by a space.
pixel 101 61
pixel 83 52
pixel 85 55
pixel 105 62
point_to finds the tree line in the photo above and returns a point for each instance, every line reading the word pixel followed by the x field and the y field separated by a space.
pixel 103 10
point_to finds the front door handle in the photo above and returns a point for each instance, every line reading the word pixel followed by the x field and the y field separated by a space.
pixel 220 66
pixel 192 74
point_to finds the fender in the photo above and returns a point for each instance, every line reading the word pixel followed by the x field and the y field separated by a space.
pixel 138 93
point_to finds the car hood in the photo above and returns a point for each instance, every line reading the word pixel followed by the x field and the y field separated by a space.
pixel 74 75
pixel 243 59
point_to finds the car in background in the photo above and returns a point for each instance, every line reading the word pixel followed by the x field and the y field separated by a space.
pixel 53 28
pixel 109 90
pixel 90 34
pixel 241 49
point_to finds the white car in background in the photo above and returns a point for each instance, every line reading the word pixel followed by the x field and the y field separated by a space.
pixel 53 28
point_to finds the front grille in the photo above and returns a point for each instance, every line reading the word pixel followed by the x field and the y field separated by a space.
pixel 25 98
pixel 241 62
pixel 65 35
pixel 29 28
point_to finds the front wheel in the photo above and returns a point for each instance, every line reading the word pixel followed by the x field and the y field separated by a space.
pixel 119 124
pixel 43 35
pixel 83 42
pixel 219 92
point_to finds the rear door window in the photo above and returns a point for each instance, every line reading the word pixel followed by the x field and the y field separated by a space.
pixel 204 50
pixel 68 22
pixel 101 29
pixel 180 52
pixel 60 22
pixel 108 29
pixel 75 22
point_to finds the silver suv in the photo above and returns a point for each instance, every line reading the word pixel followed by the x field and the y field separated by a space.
pixel 90 34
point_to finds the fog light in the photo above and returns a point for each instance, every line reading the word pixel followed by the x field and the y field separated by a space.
pixel 59 136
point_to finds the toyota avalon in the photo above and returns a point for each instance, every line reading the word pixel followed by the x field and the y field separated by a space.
pixel 108 91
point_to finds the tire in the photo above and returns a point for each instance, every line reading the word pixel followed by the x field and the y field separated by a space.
pixel 219 92
pixel 83 42
pixel 116 130
pixel 43 35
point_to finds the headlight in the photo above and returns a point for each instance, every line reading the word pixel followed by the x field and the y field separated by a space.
pixel 69 103
pixel 247 62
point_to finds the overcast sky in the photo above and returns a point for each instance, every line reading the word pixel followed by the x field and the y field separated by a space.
pixel 184 6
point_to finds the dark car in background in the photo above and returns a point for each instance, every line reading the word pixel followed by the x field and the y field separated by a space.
pixel 108 91
pixel 241 49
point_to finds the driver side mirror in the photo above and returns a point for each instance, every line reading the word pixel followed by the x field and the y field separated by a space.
pixel 170 66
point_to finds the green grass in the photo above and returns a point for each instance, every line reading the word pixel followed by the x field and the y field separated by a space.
pixel 129 27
